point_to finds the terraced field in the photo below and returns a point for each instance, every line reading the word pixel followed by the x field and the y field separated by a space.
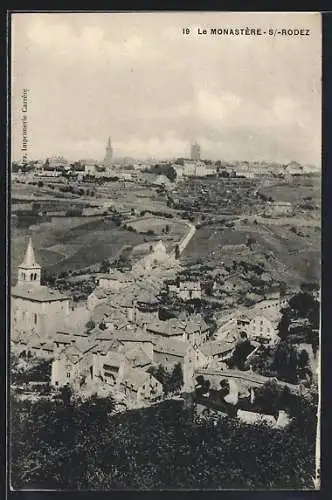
pixel 68 244
pixel 293 258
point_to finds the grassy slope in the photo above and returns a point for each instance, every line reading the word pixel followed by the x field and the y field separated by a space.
pixel 81 245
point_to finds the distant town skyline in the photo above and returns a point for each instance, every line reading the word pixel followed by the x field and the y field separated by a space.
pixel 139 79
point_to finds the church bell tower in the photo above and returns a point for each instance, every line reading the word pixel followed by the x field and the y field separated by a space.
pixel 29 271
pixel 109 154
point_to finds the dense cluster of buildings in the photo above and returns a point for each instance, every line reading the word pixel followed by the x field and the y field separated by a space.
pixel 129 169
pixel 126 336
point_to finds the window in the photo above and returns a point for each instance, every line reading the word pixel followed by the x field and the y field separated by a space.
pixel 35 276
pixel 35 319
pixel 31 276
pixel 56 382
pixel 68 375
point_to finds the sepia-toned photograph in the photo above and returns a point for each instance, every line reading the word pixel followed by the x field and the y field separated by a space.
pixel 165 251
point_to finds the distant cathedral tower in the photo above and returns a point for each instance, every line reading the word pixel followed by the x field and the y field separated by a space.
pixel 109 154
pixel 29 271
pixel 195 152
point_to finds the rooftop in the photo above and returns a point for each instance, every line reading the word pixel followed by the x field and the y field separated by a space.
pixel 137 357
pixel 216 347
pixel 138 335
pixel 106 346
pixel 63 337
pixel 171 346
pixel 113 358
pixel 37 293
pixel 167 328
pixel 175 327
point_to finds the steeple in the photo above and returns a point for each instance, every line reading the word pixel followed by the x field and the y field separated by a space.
pixel 30 259
pixel 29 271
pixel 108 154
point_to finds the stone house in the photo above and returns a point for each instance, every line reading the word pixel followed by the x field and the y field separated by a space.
pixel 72 365
pixel 262 329
pixel 139 386
pixel 148 255
pixel 139 339
pixel 107 365
pixel 217 350
pixel 194 329
pixel 114 280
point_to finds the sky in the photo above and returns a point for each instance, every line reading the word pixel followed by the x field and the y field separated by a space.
pixel 137 78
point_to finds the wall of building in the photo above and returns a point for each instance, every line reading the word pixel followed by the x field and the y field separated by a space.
pixel 61 373
pixel 150 390
pixel 109 373
pixel 66 372
pixel 260 326
pixel 193 360
pixel 44 317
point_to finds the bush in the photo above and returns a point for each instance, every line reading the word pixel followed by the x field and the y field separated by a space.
pixel 90 325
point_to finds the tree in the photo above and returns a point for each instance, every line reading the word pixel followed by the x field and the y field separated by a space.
pixel 309 287
pixel 202 386
pixel 303 304
pixel 171 174
pixel 303 359
pixel 105 266
pixel 268 397
pixel 66 394
pixel 250 242
pixel 90 325
pixel 208 287
pixel 133 451
pixel 239 356
pixel 283 288
pixel 285 362
pixel 224 387
pixel 284 323
pixel 176 378
pixel 162 375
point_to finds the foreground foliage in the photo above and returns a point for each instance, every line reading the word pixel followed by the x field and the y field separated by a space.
pixel 84 446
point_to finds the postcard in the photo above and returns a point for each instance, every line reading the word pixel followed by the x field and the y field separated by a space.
pixel 165 265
